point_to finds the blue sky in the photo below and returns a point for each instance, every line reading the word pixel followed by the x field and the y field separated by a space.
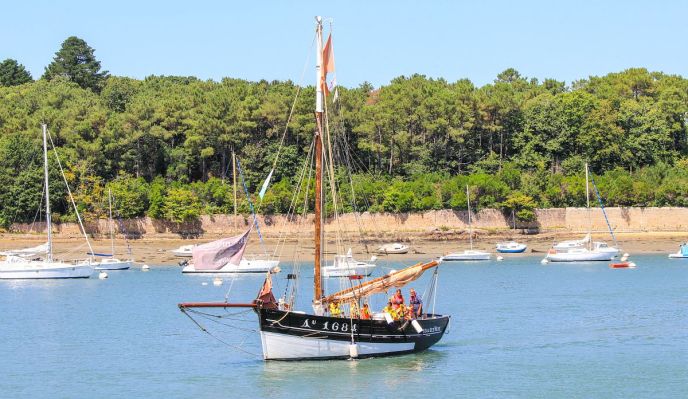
pixel 374 41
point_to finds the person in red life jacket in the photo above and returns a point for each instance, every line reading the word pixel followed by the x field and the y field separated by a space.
pixel 415 304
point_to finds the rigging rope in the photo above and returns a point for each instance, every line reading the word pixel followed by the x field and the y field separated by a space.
pixel 606 219
pixel 250 204
pixel 71 197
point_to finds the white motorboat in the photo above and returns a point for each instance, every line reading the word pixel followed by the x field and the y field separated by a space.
pixel 511 247
pixel 394 248
pixel 578 255
pixel 682 252
pixel 18 267
pixel 347 266
pixel 468 254
pixel 185 251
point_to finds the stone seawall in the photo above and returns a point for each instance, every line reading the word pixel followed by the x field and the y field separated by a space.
pixel 391 225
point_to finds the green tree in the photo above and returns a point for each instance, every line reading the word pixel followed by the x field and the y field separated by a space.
pixel 76 61
pixel 181 205
pixel 13 73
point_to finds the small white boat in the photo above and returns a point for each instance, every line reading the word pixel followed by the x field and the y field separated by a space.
pixel 227 256
pixel 511 247
pixel 114 264
pixel 682 252
pixel 245 266
pixel 15 267
pixel 578 255
pixel 599 246
pixel 111 262
pixel 347 266
pixel 467 255
pixel 27 252
pixel 394 248
pixel 185 251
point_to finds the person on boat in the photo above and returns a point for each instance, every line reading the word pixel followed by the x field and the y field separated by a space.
pixel 398 299
pixel 389 309
pixel 335 311
pixel 365 312
pixel 355 314
pixel 415 304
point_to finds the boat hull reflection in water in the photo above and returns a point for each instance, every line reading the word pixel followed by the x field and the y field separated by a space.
pixel 299 336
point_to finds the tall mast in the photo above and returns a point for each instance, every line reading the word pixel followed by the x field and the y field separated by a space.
pixel 587 204
pixel 470 227
pixel 317 279
pixel 235 188
pixel 47 193
pixel 112 230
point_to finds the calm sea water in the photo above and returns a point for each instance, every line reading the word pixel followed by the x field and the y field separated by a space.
pixel 519 329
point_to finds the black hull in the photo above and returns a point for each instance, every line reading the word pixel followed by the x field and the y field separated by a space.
pixel 300 336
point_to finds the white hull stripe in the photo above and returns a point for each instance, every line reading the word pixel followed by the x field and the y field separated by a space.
pixel 283 346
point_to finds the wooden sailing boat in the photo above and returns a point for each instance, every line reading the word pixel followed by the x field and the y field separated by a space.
pixel 289 335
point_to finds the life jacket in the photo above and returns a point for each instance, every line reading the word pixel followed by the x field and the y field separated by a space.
pixel 334 310
pixel 365 313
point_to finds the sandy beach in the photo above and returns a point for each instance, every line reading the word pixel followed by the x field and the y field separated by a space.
pixel 157 251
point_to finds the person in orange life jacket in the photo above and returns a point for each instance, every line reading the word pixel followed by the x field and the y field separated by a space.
pixel 365 312
pixel 416 305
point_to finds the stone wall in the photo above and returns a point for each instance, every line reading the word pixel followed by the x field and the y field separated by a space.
pixel 387 224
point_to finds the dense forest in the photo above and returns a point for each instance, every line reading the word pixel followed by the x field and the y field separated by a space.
pixel 163 145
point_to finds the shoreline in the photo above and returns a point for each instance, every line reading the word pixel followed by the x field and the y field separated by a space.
pixel 155 251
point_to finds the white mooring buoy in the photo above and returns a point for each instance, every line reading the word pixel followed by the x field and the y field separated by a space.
pixel 217 281
pixel 500 258
pixel 145 268
pixel 102 275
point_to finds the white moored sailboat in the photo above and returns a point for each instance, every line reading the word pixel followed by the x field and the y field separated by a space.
pixel 227 256
pixel 111 262
pixel 583 250
pixel 18 267
pixel 468 254
pixel 288 334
